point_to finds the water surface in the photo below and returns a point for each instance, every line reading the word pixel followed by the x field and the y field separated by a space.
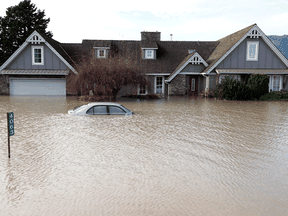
pixel 176 156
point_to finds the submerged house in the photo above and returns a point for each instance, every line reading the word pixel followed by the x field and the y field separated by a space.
pixel 41 66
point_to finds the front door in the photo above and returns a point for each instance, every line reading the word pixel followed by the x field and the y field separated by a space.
pixel 193 85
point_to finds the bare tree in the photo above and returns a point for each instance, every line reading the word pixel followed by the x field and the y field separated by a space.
pixel 105 77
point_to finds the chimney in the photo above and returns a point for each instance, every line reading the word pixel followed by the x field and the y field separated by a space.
pixel 150 36
pixel 171 35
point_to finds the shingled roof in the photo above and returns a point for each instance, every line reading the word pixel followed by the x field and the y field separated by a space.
pixel 169 54
pixel 225 44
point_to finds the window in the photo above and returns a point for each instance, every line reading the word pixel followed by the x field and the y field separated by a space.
pixel 97 110
pixel 37 55
pixel 142 89
pixel 116 110
pixel 193 84
pixel 159 85
pixel 100 53
pixel 252 51
pixel 149 54
pixel 275 83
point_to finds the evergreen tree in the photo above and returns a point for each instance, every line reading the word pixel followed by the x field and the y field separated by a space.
pixel 20 21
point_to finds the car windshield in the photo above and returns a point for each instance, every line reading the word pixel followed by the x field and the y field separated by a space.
pixel 125 108
pixel 79 107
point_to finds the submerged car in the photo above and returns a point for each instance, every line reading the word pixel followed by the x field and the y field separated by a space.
pixel 101 108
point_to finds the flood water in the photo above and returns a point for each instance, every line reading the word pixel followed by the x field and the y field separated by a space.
pixel 176 156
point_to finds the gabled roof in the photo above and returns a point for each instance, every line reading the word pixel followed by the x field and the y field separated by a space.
pixel 229 43
pixel 193 58
pixel 37 38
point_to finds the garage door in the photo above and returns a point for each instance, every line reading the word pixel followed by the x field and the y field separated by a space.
pixel 37 86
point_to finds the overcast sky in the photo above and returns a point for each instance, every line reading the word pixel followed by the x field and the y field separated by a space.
pixel 204 20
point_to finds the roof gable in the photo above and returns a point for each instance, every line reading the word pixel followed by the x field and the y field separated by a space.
pixel 37 38
pixel 229 43
pixel 193 58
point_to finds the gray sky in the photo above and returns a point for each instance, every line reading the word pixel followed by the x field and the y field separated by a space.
pixel 204 20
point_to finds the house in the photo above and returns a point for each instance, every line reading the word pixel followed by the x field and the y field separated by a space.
pixel 42 65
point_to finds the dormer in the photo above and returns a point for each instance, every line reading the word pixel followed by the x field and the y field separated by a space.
pixel 101 52
pixel 149 44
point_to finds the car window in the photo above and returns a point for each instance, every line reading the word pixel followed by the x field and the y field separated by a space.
pixel 97 110
pixel 79 107
pixel 116 110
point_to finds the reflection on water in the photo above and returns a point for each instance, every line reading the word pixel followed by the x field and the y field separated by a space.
pixel 176 156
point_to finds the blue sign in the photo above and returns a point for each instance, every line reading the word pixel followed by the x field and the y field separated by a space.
pixel 11 124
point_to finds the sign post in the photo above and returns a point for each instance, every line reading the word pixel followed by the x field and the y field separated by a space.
pixel 10 124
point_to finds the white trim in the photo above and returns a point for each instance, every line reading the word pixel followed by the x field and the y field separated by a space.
pixel 33 55
pixel 98 53
pixel 155 84
pixel 256 50
pixel 249 34
pixel 14 55
pixel 194 59
pixel 146 55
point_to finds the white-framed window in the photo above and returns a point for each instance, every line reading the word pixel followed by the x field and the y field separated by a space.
pixel 149 54
pixel 159 85
pixel 252 51
pixel 275 83
pixel 142 89
pixel 37 55
pixel 100 53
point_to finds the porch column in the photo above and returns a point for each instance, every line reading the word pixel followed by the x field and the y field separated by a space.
pixel 207 86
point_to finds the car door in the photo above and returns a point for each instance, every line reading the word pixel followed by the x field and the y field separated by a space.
pixel 98 110
pixel 115 110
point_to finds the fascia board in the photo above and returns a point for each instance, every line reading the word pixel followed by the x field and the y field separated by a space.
pixel 274 48
pixel 14 55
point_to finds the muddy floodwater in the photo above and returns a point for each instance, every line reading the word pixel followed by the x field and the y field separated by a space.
pixel 176 156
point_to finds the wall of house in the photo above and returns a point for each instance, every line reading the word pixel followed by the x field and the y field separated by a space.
pixel 24 60
pixel 212 81
pixel 4 86
pixel 178 85
pixel 266 57
pixel 193 68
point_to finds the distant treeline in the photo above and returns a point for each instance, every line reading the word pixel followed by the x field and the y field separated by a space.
pixel 281 42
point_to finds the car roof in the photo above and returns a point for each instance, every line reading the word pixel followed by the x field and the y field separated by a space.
pixel 104 103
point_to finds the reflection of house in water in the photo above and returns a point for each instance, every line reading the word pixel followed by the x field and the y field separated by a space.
pixel 41 65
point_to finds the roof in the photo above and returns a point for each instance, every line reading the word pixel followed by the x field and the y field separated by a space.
pixel 36 72
pixel 224 45
pixel 251 71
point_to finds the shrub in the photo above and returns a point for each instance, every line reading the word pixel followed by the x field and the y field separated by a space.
pixel 231 89
pixel 275 96
pixel 259 85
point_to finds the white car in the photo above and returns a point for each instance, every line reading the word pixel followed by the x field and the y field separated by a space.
pixel 100 108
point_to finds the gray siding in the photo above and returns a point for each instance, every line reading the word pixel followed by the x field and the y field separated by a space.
pixel 193 68
pixel 24 60
pixel 266 57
